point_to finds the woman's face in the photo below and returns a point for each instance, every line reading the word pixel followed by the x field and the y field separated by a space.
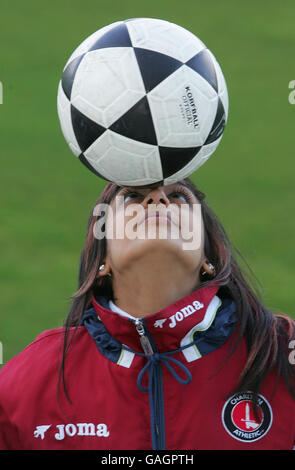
pixel 165 221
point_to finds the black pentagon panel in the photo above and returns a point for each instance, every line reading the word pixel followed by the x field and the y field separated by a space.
pixel 137 123
pixel 218 125
pixel 118 36
pixel 69 75
pixel 85 130
pixel 155 67
pixel 84 160
pixel 202 64
pixel 174 159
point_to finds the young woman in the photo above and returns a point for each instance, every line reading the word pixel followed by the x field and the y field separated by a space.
pixel 166 345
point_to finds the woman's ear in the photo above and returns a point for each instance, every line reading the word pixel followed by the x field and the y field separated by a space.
pixel 207 268
pixel 104 270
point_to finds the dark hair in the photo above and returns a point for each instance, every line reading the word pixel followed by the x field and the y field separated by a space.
pixel 267 335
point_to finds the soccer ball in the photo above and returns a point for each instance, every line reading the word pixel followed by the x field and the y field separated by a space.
pixel 142 101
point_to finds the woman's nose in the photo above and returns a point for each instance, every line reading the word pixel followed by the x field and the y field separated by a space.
pixel 156 196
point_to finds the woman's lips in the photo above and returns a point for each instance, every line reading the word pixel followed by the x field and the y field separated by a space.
pixel 157 217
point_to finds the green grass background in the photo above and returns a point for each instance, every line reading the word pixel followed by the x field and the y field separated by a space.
pixel 47 194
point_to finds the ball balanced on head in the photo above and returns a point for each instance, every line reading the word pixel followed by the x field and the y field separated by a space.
pixel 142 101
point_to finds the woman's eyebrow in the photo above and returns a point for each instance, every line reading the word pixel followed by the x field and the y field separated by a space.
pixel 145 190
pixel 183 186
pixel 134 189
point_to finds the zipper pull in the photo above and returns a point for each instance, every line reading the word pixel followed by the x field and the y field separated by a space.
pixel 145 342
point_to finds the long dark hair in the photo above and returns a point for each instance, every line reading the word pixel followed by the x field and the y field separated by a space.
pixel 267 335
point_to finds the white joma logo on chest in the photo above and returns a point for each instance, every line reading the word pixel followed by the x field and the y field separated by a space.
pixel 180 315
pixel 71 430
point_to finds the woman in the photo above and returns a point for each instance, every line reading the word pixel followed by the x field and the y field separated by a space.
pixel 166 345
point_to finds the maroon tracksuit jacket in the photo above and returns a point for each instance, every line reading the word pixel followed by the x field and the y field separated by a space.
pixel 156 383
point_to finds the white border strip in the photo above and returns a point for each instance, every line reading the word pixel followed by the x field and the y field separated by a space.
pixel 192 353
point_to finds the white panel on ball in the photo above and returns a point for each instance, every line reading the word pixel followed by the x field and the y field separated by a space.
pixel 107 84
pixel 118 158
pixel 189 101
pixel 164 37
pixel 64 113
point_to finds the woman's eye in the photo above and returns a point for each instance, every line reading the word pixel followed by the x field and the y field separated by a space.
pixel 131 196
pixel 178 195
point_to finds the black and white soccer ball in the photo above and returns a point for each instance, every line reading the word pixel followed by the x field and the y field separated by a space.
pixel 142 101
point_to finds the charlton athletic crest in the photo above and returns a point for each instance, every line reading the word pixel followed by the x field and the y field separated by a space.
pixel 239 420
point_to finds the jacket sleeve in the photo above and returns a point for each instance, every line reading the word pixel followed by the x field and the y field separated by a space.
pixel 8 434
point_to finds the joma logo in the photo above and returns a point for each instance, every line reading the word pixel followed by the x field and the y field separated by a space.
pixel 71 430
pixel 180 315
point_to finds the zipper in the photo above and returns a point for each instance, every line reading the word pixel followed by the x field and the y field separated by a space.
pixel 149 351
pixel 145 342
